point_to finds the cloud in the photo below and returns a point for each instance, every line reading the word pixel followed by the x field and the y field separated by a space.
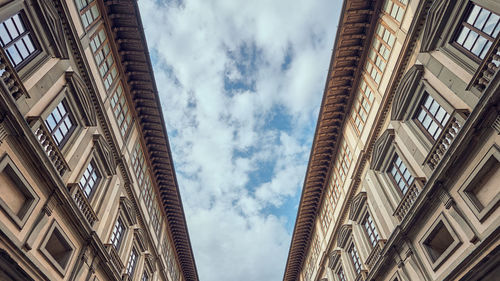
pixel 240 84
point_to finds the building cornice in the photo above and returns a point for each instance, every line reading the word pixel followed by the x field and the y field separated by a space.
pixel 355 29
pixel 123 19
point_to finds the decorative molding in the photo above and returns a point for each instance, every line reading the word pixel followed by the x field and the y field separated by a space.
pixel 357 205
pixel 128 210
pixel 140 238
pixel 105 154
pixel 434 24
pixel 405 92
pixel 345 232
pixel 334 259
pixel 380 149
pixel 80 92
pixel 55 26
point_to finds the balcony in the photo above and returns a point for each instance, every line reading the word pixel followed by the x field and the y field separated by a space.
pixel 488 68
pixel 449 133
pixel 375 253
pixel 10 80
pixel 49 146
pixel 83 203
pixel 115 258
pixel 409 199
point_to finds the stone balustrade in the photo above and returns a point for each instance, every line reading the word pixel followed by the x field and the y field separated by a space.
pixel 83 203
pixel 48 144
pixel 115 258
pixel 9 77
pixel 488 68
pixel 375 253
pixel 449 133
pixel 409 199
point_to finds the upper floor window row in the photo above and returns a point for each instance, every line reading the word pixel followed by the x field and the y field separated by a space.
pixel 90 179
pixel 379 52
pixel 362 107
pixel 88 11
pixel 121 109
pixel 17 40
pixel 395 8
pixel 478 30
pixel 104 58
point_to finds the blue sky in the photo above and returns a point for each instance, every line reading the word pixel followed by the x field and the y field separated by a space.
pixel 240 84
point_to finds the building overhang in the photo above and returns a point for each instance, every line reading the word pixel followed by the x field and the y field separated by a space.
pixel 352 42
pixel 124 20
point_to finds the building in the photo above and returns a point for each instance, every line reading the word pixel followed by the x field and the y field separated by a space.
pixel 88 189
pixel 403 181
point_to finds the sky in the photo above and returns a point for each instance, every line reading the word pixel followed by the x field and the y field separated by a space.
pixel 240 84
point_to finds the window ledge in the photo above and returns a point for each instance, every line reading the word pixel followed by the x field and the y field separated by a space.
pixel 409 199
pixel 83 203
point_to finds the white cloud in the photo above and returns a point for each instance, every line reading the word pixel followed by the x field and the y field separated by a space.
pixel 224 138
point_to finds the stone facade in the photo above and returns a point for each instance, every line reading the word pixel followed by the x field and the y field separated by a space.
pixel 403 181
pixel 87 185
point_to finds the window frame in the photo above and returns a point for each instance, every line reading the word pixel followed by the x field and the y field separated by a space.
pixel 37 32
pixel 393 180
pixel 421 106
pixel 365 231
pixel 358 106
pixel 373 63
pixel 136 260
pixel 64 93
pixel 395 3
pixel 449 31
pixel 97 183
pixel 356 262
pixel 458 27
pixel 124 233
pixel 124 129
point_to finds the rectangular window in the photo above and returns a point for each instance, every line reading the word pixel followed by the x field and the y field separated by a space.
pixel 343 163
pixel 139 163
pixel 395 8
pixel 121 109
pixel 400 174
pixel 371 230
pixel 478 30
pixel 341 275
pixel 17 40
pixel 432 117
pixel 104 58
pixel 90 179
pixel 145 276
pixel 379 52
pixel 60 123
pixel 88 11
pixel 355 258
pixel 326 213
pixel 132 261
pixel 117 234
pixel 362 107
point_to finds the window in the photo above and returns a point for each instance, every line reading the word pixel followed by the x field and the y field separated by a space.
pixel 121 109
pixel 439 240
pixel 90 179
pixel 379 53
pixel 395 8
pixel 341 275
pixel 104 58
pixel 117 234
pixel 400 174
pixel 478 30
pixel 132 261
pixel 432 117
pixel 17 40
pixel 343 161
pixel 155 218
pixel 145 276
pixel 355 258
pixel 364 102
pixel 139 163
pixel 371 230
pixel 60 123
pixel 88 11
